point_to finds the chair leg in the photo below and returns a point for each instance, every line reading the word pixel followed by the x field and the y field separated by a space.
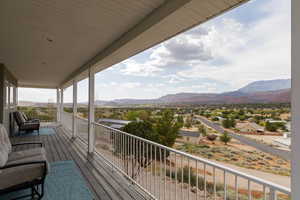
pixel 32 193
pixel 42 192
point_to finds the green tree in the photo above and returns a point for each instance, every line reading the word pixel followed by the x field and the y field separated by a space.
pixel 167 128
pixel 228 123
pixel 271 126
pixel 132 115
pixel 140 114
pixel 180 120
pixel 202 130
pixel 215 119
pixel 188 122
pixel 32 113
pixel 142 156
pixel 143 129
pixel 225 138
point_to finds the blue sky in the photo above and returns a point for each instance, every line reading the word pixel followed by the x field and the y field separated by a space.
pixel 249 43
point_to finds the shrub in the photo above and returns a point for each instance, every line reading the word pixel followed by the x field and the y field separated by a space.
pixel 183 175
pixel 225 137
pixel 211 137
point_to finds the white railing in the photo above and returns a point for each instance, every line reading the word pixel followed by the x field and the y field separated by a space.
pixel 82 128
pixel 166 173
pixel 67 120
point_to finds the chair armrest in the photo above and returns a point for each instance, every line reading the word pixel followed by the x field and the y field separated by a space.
pixel 27 163
pixel 32 121
pixel 28 143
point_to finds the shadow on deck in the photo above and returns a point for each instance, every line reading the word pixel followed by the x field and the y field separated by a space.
pixel 104 182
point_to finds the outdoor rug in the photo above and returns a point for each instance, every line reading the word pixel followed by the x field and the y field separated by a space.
pixel 64 182
pixel 43 131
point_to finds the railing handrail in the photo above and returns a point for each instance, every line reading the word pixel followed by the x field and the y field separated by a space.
pixel 269 184
pixel 81 118
pixel 67 113
pixel 71 114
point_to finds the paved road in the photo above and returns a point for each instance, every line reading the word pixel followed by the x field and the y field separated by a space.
pixel 260 146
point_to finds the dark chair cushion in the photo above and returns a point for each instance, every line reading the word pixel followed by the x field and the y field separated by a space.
pixel 24 125
pixel 25 116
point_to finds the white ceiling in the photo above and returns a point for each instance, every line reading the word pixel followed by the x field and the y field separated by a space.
pixel 45 43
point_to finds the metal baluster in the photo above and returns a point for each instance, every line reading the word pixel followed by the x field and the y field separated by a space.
pixel 124 152
pixel 181 177
pixel 127 154
pixel 133 148
pixel 189 184
pixel 197 180
pixel 140 160
pixel 273 194
pixel 215 183
pixel 114 147
pixel 144 165
pixel 176 176
pixel 147 158
pixel 225 186
pixel 249 190
pixel 121 150
pixel 236 188
pixel 134 157
pixel 120 156
pixel 204 180
pixel 151 165
pixel 264 192
pixel 118 148
pixel 160 173
pixel 170 174
pixel 165 174
pixel 155 178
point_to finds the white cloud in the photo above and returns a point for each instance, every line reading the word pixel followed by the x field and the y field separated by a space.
pixel 132 67
pixel 226 51
pixel 131 85
pixel 37 95
pixel 255 52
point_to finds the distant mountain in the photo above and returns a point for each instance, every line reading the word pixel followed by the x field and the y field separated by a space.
pixel 273 91
pixel 34 104
pixel 268 85
pixel 278 96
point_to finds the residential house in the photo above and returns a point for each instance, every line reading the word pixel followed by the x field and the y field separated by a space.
pixel 250 127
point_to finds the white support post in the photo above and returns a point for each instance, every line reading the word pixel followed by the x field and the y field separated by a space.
pixel 74 121
pixel 295 101
pixel 61 109
pixel 15 97
pixel 58 105
pixel 91 116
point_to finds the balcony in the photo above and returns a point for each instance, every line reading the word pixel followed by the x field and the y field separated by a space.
pixel 101 180
pixel 165 173
pixel 56 49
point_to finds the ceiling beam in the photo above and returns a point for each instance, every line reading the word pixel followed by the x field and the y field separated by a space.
pixel 20 85
pixel 149 21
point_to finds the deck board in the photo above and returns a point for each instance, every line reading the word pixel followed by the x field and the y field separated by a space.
pixel 102 181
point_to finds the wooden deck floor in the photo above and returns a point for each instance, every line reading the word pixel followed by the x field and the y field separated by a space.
pixel 105 183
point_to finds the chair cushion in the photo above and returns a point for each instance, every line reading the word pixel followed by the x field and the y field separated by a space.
pixel 26 173
pixel 17 155
pixel 19 118
pixel 3 156
pixel 4 139
pixel 24 116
